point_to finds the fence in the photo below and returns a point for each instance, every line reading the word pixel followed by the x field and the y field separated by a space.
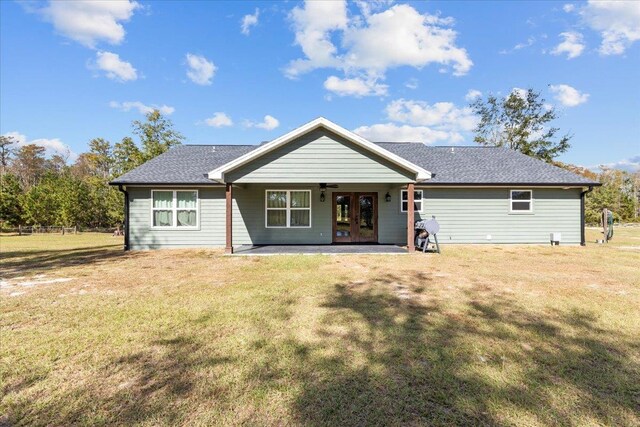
pixel 28 230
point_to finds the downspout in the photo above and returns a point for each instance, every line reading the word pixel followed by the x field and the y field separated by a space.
pixel 583 240
pixel 126 216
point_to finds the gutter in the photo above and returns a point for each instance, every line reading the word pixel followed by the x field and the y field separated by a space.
pixel 583 240
pixel 167 184
pixel 507 184
pixel 126 215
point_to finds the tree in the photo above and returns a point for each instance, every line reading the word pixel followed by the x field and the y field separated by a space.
pixel 156 134
pixel 100 157
pixel 126 156
pixel 58 199
pixel 519 121
pixel 56 163
pixel 10 192
pixel 5 150
pixel 29 165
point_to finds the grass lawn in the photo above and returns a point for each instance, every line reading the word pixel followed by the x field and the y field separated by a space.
pixel 493 335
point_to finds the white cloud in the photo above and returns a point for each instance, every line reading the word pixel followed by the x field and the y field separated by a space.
pixel 249 21
pixel 268 123
pixel 472 95
pixel 617 21
pixel 201 70
pixel 357 87
pixel 52 146
pixel 412 83
pixel 89 22
pixel 568 96
pixel 572 45
pixel 419 121
pixel 402 36
pixel 404 133
pixel 313 25
pixel 372 43
pixel 443 115
pixel 142 108
pixel 569 7
pixel 630 165
pixel 530 41
pixel 114 67
pixel 219 120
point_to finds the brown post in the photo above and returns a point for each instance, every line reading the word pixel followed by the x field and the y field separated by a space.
pixel 410 219
pixel 229 213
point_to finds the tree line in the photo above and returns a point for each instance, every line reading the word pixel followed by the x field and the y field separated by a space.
pixel 50 191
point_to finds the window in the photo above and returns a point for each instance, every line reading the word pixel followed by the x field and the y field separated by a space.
pixel 417 200
pixel 521 201
pixel 288 209
pixel 174 208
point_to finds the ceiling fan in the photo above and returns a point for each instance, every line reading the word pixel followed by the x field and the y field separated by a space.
pixel 325 186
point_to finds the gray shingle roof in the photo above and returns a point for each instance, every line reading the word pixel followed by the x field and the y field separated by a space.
pixel 482 165
pixel 184 164
pixel 189 164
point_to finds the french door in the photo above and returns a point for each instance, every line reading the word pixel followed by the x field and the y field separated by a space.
pixel 355 217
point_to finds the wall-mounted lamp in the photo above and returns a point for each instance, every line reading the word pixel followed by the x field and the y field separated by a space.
pixel 387 197
pixel 322 190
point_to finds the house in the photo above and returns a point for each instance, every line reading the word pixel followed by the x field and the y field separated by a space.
pixel 321 184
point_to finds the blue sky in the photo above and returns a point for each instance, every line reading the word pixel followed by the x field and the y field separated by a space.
pixel 72 71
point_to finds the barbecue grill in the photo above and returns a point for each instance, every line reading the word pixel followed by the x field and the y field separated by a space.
pixel 424 230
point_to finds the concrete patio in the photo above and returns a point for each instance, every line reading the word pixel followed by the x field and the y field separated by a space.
pixel 319 249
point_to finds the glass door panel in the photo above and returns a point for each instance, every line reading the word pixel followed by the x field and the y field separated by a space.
pixel 343 218
pixel 367 218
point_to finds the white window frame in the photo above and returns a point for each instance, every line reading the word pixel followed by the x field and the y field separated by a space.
pixel 288 208
pixel 174 210
pixel 511 200
pixel 421 200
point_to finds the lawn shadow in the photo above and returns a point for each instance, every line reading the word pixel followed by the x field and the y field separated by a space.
pixel 424 365
pixel 19 263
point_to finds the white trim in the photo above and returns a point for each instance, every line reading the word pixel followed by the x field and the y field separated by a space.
pixel 529 211
pixel 287 208
pixel 404 190
pixel 174 210
pixel 218 173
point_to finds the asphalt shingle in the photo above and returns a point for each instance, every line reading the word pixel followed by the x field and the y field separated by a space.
pixel 482 165
pixel 184 164
pixel 189 164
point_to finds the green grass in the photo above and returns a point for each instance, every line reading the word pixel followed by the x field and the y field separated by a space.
pixel 499 335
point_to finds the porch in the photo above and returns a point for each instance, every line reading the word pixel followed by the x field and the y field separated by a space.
pixel 265 219
pixel 340 249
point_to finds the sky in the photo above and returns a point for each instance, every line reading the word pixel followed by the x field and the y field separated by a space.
pixel 248 72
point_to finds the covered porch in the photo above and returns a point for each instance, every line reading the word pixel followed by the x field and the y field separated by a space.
pixel 330 219
pixel 335 249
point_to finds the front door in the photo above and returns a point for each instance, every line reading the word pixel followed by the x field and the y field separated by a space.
pixel 355 217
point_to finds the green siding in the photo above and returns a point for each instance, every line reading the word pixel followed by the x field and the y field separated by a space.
pixel 466 215
pixel 210 233
pixel 320 156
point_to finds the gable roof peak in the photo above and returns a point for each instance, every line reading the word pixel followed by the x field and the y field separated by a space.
pixel 218 173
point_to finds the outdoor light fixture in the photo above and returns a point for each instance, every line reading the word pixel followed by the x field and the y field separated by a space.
pixel 387 197
pixel 322 190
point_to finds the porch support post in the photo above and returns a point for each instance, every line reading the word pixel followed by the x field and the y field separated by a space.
pixel 410 219
pixel 229 219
